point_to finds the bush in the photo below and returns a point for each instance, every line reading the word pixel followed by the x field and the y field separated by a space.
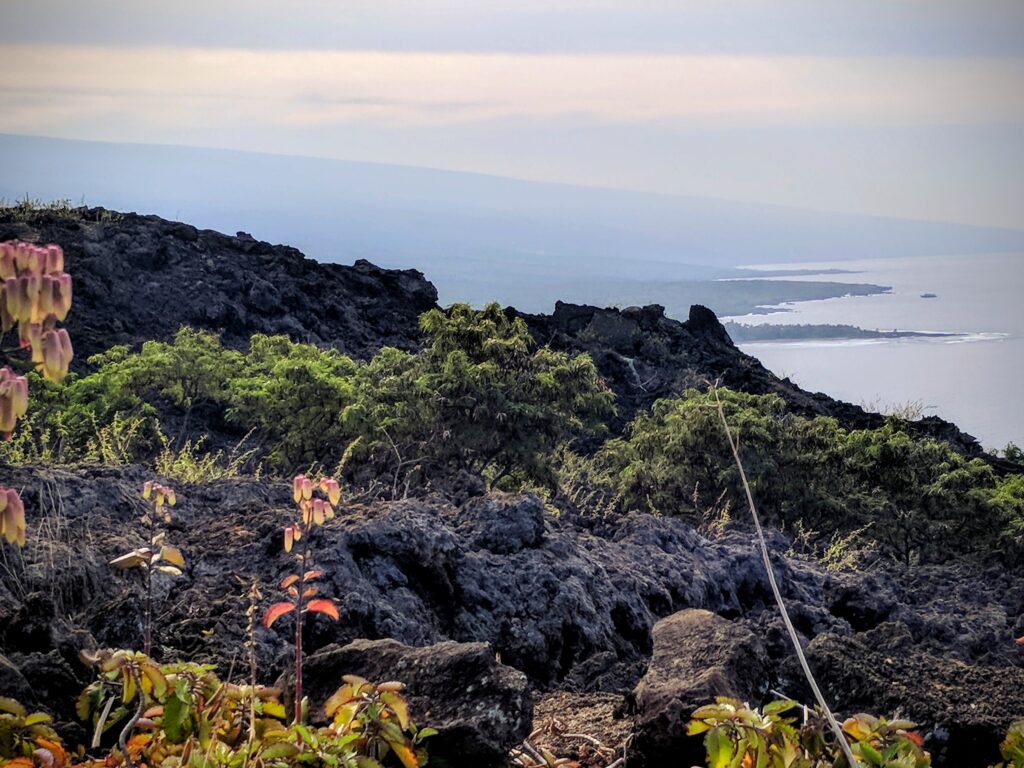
pixel 480 397
pixel 737 735
pixel 916 499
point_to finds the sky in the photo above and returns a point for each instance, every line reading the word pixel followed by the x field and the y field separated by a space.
pixel 911 108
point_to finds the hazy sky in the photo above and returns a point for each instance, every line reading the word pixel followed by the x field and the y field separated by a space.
pixel 899 107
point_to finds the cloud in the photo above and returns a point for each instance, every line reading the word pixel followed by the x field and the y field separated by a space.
pixel 796 27
pixel 44 85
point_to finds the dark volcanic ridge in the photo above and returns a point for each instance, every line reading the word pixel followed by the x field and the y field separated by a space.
pixel 142 277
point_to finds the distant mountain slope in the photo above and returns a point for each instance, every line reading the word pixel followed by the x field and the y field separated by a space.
pixel 479 237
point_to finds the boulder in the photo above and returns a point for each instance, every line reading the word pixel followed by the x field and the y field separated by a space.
pixel 480 707
pixel 697 656
pixel 502 524
pixel 962 710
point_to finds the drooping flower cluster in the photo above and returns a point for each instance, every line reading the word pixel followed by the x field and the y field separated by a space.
pixel 35 295
pixel 315 511
pixel 12 517
pixel 13 400
pixel 160 495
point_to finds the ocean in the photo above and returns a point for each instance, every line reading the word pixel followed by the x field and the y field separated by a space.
pixel 973 379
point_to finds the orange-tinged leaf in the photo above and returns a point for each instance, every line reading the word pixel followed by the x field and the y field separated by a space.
pixel 917 738
pixel 405 754
pixel 275 612
pixel 293 591
pixel 132 559
pixel 323 606
pixel 1020 641
pixel 309 593
pixel 172 555
pixel 311 575
pixel 398 706
pixel 54 748
pixel 288 581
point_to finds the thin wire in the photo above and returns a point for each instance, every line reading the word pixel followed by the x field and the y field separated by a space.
pixel 833 723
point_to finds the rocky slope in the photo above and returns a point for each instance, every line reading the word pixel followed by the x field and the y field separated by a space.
pixel 141 277
pixel 571 604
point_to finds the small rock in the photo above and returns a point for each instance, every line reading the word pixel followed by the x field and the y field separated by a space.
pixel 502 525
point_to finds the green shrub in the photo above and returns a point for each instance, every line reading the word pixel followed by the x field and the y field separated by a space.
pixel 914 499
pixel 736 735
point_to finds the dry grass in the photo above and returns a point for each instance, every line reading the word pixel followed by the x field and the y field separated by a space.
pixel 60 559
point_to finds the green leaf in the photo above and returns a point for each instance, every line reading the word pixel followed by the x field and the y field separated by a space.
pixel 176 719
pixel 398 706
pixel 12 706
pixel 280 750
pixel 720 748
pixel 274 709
pixel 778 707
pixel 697 727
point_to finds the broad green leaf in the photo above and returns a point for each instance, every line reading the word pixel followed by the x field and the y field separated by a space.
pixel 720 748
pixel 12 706
pixel 280 750
pixel 176 718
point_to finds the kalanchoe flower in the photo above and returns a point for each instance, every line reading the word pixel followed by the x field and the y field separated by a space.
pixel 56 350
pixel 34 296
pixel 13 400
pixel 12 517
pixel 330 486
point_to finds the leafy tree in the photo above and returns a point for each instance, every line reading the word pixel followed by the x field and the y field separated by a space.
pixel 486 400
pixel 294 394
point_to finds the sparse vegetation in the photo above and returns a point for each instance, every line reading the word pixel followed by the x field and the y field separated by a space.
pixel 737 735
pixel 313 512
pixel 156 556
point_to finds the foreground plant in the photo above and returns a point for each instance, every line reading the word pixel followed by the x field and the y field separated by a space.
pixel 378 717
pixel 28 739
pixel 739 736
pixel 35 294
pixel 156 556
pixel 1012 748
pixel 182 715
pixel 313 512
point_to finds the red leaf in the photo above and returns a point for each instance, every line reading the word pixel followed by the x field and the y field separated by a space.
pixel 288 581
pixel 275 612
pixel 324 606
pixel 309 592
